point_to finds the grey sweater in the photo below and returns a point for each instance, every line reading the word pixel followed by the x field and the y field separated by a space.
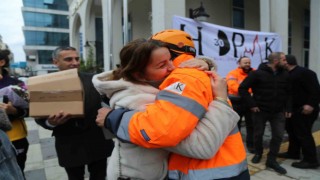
pixel 129 160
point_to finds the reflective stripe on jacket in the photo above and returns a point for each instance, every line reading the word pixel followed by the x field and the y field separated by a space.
pixel 230 161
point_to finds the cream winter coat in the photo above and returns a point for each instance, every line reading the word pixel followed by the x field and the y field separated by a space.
pixel 129 160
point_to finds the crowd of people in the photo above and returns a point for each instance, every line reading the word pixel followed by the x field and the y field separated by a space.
pixel 284 94
pixel 171 115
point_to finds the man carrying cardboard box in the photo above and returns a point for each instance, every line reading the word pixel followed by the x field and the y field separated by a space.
pixel 79 141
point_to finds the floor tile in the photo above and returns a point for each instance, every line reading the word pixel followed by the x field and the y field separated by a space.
pixel 51 162
pixel 48 148
pixel 269 175
pixel 56 173
pixel 33 136
pixel 31 124
pixel 44 133
pixel 38 174
pixel 34 158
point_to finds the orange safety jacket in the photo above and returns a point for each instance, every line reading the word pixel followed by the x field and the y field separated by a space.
pixel 183 99
pixel 234 79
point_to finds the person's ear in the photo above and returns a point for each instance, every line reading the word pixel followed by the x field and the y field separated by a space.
pixel 55 62
pixel 2 62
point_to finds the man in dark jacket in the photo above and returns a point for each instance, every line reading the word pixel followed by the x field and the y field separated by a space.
pixel 79 141
pixel 270 102
pixel 305 101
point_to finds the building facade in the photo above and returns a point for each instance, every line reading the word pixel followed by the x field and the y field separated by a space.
pixel 296 21
pixel 3 45
pixel 46 26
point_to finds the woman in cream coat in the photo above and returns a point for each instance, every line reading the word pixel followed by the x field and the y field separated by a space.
pixel 131 161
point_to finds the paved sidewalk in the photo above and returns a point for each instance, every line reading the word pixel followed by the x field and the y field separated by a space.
pixel 259 171
pixel 42 162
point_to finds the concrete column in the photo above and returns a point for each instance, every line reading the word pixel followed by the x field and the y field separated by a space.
pixel 112 32
pixel 117 31
pixel 88 27
pixel 279 14
pixel 314 52
pixel 163 11
pixel 77 24
pixel 265 15
pixel 107 32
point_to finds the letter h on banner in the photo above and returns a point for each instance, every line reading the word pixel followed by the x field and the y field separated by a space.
pixel 199 39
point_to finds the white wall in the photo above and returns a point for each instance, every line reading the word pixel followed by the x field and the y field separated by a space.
pixel 140 11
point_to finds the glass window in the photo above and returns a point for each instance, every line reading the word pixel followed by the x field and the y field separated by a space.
pixel 47 4
pixel 45 56
pixel 306 34
pixel 289 32
pixel 46 38
pixel 306 58
pixel 45 20
pixel 99 43
pixel 307 17
pixel 238 18
pixel 306 25
pixel 238 3
pixel 238 14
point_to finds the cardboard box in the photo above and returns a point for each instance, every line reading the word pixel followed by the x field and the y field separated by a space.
pixel 51 93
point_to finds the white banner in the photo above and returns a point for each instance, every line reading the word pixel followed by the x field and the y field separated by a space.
pixel 227 45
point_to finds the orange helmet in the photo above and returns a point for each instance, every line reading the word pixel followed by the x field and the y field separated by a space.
pixel 179 42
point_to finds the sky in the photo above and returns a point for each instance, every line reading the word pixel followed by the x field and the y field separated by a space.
pixel 11 23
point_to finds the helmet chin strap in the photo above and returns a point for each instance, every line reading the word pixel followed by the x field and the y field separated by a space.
pixel 183 49
pixel 174 55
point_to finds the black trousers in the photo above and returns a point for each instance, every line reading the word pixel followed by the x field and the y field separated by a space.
pixel 22 146
pixel 243 111
pixel 299 128
pixel 96 169
pixel 277 123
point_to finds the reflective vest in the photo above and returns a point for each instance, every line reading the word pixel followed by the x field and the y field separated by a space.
pixel 183 99
pixel 234 79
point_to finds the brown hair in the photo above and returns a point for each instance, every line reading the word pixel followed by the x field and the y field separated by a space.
pixel 4 55
pixel 125 55
pixel 138 60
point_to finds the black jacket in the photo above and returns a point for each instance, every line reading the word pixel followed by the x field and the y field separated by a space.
pixel 271 90
pixel 80 141
pixel 305 88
